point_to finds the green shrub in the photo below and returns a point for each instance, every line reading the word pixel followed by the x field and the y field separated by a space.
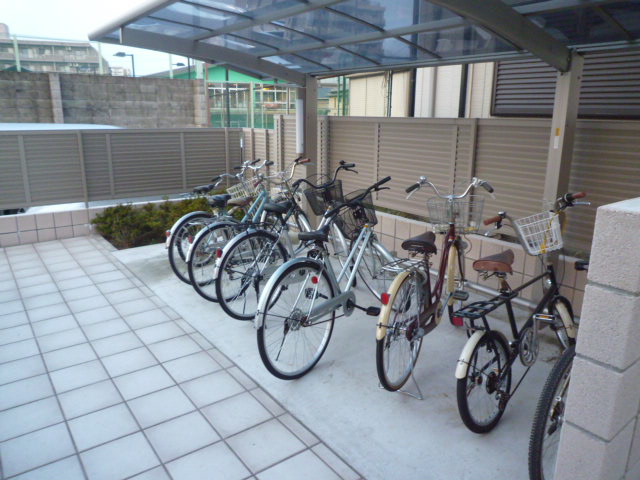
pixel 126 226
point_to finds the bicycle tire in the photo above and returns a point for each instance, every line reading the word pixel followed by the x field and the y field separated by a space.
pixel 280 322
pixel 400 320
pixel 478 377
pixel 181 239
pixel 563 311
pixel 202 261
pixel 240 301
pixel 548 419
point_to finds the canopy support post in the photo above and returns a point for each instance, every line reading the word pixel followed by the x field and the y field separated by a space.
pixel 563 126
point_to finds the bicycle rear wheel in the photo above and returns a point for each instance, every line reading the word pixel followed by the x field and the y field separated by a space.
pixel 548 419
pixel 202 262
pixel 371 272
pixel 397 351
pixel 243 271
pixel 479 394
pixel 181 240
pixel 290 346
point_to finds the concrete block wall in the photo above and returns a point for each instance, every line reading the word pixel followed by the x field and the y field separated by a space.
pixel 393 230
pixel 601 434
pixel 25 98
pixel 100 99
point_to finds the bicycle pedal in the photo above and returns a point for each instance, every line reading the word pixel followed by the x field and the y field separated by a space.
pixel 373 311
pixel 461 295
pixel 542 320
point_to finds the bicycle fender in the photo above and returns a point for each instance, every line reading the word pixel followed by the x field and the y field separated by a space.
pixel 465 356
pixel 383 318
pixel 202 232
pixel 258 319
pixel 181 220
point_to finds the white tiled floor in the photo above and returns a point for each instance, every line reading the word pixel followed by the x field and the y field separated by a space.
pixel 100 380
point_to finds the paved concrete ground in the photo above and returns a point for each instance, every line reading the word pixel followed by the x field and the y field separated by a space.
pixel 100 379
pixel 380 434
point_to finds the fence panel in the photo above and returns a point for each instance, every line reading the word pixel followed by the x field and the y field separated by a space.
pixel 512 156
pixel 97 164
pixel 205 155
pixel 54 169
pixel 12 186
pixel 606 166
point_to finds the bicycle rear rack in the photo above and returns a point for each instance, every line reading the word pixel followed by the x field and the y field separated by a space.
pixel 477 310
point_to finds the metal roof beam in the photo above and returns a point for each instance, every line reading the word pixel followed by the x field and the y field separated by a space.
pixel 505 22
pixel 277 14
pixel 369 37
pixel 209 53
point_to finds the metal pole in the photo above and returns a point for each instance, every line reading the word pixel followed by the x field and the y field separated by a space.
pixel 226 97
pixel 170 66
pixel 100 64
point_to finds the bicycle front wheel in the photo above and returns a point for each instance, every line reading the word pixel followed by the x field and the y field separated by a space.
pixel 182 238
pixel 202 262
pixel 481 393
pixel 397 351
pixel 243 271
pixel 548 419
pixel 290 344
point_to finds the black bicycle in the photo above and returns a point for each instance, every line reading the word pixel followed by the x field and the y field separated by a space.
pixel 484 369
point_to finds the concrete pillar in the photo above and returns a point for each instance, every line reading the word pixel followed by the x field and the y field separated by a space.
pixel 563 125
pixel 601 438
pixel 200 104
pixel 309 97
pixel 56 98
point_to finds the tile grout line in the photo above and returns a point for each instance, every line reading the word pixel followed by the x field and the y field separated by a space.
pixel 269 395
pixel 73 443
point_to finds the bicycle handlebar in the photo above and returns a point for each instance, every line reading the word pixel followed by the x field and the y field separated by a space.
pixel 376 186
pixel 489 221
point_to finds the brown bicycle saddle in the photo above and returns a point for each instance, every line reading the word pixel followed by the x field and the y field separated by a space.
pixel 423 243
pixel 500 262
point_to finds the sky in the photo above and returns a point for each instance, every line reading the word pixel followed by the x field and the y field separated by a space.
pixel 75 20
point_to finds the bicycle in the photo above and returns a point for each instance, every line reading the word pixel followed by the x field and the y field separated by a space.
pixel 249 259
pixel 483 370
pixel 201 256
pixel 411 308
pixel 549 417
pixel 297 308
pixel 185 229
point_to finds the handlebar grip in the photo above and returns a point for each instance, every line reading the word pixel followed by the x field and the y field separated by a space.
pixel 347 165
pixel 255 161
pixel 237 167
pixel 303 160
pixel 575 196
pixel 412 188
pixel 269 163
pixel 491 220
pixel 487 186
pixel 581 265
pixel 381 182
pixel 215 179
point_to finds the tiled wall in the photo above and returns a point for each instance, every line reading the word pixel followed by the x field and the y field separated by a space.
pixel 393 230
pixel 41 227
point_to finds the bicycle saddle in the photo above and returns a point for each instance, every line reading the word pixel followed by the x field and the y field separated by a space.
pixel 423 243
pixel 219 200
pixel 321 235
pixel 240 202
pixel 499 262
pixel 282 207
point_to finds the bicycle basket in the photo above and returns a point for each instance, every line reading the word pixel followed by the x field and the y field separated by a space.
pixel 352 219
pixel 540 233
pixel 321 200
pixel 245 188
pixel 465 213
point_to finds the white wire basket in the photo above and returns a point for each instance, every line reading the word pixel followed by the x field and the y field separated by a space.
pixel 540 233
pixel 243 189
pixel 465 213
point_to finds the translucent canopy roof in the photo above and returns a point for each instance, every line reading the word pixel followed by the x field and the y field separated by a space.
pixel 289 39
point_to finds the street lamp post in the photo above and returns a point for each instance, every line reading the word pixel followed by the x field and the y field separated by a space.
pixel 123 54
